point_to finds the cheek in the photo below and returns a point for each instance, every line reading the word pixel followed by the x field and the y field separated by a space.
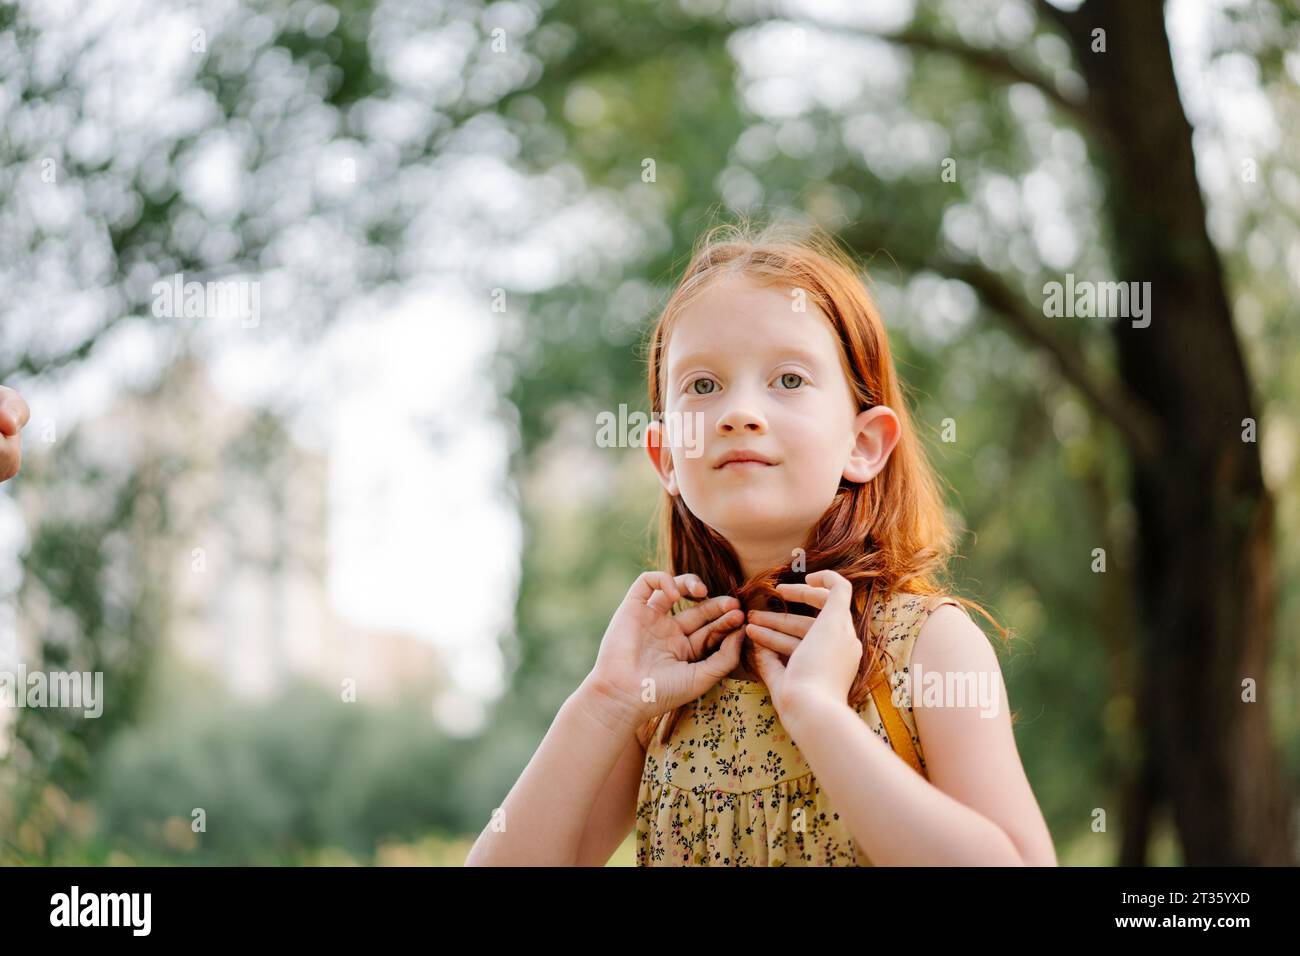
pixel 682 432
pixel 816 464
pixel 804 445
pixel 693 474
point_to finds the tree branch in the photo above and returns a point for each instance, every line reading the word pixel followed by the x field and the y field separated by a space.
pixel 1069 22
pixel 1124 410
pixel 993 62
pixel 998 65
pixel 1127 412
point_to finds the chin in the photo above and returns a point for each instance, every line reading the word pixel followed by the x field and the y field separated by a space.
pixel 748 522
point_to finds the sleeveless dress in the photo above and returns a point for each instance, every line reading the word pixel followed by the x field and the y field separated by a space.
pixel 730 788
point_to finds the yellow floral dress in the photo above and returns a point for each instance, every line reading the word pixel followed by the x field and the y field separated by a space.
pixel 730 788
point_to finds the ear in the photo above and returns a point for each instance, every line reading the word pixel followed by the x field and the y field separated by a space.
pixel 877 431
pixel 661 456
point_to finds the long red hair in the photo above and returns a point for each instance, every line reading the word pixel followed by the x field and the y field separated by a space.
pixel 886 535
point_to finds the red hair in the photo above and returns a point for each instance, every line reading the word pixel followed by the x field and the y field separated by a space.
pixel 886 535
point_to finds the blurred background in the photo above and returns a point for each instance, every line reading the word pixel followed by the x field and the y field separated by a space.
pixel 342 540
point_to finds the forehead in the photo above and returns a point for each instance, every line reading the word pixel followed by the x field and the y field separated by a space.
pixel 737 316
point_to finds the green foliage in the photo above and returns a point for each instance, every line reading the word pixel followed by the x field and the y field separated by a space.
pixel 1036 480
pixel 279 779
pixel 94 609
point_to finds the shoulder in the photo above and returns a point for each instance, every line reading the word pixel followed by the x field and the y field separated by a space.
pixel 957 680
pixel 907 615
pixel 964 716
pixel 947 638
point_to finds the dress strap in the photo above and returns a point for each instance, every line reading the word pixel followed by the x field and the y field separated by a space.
pixel 900 735
pixel 900 738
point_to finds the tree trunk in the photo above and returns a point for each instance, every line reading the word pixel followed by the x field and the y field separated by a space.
pixel 1206 522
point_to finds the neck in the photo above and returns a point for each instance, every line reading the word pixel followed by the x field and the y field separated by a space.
pixel 758 556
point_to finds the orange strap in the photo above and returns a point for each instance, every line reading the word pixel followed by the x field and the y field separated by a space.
pixel 900 737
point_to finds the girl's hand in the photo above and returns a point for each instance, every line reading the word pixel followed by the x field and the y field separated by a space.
pixel 823 652
pixel 651 660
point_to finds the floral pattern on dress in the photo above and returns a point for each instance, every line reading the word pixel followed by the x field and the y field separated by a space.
pixel 730 787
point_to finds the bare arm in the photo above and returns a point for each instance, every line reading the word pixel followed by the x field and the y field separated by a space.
pixel 614 813
pixel 543 819
pixel 898 818
pixel 977 808
pixel 650 661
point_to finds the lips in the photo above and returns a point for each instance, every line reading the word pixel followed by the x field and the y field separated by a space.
pixel 742 459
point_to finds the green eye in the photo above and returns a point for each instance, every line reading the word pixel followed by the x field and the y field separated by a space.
pixel 697 382
pixel 794 375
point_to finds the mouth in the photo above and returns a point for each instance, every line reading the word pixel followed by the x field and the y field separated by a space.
pixel 743 459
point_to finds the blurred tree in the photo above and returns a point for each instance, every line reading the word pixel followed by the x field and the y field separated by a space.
pixel 1026 103
pixel 107 162
pixel 1067 158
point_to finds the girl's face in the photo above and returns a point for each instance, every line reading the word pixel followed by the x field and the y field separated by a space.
pixel 749 373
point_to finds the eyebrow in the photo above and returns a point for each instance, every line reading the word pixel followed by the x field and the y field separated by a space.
pixel 782 352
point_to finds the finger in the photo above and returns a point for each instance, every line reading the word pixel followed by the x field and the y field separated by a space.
pixel 840 587
pixel 14 412
pixel 715 636
pixel 684 585
pixel 767 665
pixel 10 457
pixel 687 585
pixel 804 594
pixel 692 584
pixel 706 673
pixel 796 625
pixel 699 615
pixel 704 638
pixel 649 582
pixel 782 644
pixel 662 602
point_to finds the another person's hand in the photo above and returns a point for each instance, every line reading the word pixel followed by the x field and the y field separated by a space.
pixel 651 660
pixel 13 416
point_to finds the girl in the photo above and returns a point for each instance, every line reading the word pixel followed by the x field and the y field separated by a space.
pixel 804 506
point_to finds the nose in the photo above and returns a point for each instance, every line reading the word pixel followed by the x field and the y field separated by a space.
pixel 741 416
